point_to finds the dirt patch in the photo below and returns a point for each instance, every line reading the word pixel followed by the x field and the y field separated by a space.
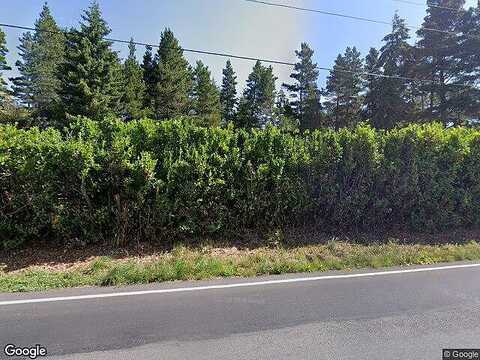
pixel 70 257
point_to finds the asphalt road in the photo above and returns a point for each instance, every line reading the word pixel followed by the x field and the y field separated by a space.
pixel 394 316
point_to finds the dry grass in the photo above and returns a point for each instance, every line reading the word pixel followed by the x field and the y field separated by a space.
pixel 182 263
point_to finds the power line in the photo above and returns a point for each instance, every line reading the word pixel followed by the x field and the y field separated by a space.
pixel 352 17
pixel 233 56
pixel 428 4
pixel 249 58
pixel 323 12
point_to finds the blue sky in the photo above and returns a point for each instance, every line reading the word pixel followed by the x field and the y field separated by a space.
pixel 232 26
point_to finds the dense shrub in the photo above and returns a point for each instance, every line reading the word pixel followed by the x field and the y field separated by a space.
pixel 158 180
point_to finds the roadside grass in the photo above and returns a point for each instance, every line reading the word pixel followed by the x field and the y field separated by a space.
pixel 183 263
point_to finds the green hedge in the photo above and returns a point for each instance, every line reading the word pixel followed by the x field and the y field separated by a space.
pixel 157 180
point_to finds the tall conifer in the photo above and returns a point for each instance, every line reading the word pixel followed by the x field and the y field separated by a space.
pixel 3 66
pixel 206 97
pixel 92 75
pixel 258 101
pixel 228 96
pixel 437 54
pixel 344 88
pixel 48 57
pixel 466 99
pixel 387 101
pixel 22 85
pixel 305 94
pixel 174 79
pixel 133 97
pixel 149 67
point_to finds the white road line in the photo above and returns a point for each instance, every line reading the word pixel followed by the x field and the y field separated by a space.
pixel 237 285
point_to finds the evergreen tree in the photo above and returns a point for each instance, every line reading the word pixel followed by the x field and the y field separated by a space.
pixel 3 66
pixel 41 56
pixel 467 98
pixel 47 57
pixel 386 101
pixel 206 97
pixel 10 113
pixel 304 91
pixel 228 95
pixel 438 57
pixel 174 78
pixel 22 86
pixel 257 104
pixel 283 105
pixel 395 58
pixel 149 67
pixel 133 96
pixel 344 88
pixel 284 113
pixel 373 96
pixel 91 83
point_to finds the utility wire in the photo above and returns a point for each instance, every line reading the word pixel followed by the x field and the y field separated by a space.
pixel 323 12
pixel 278 62
pixel 352 17
pixel 241 57
pixel 428 4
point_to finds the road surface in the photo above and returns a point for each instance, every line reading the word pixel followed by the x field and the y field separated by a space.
pixel 399 315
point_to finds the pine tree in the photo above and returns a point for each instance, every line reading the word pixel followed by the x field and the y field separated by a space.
pixel 373 96
pixel 174 78
pixel 91 83
pixel 257 104
pixel 437 53
pixel 228 95
pixel 284 113
pixel 3 66
pixel 343 91
pixel 41 56
pixel 387 102
pixel 206 97
pixel 304 91
pixel 47 57
pixel 467 98
pixel 149 67
pixel 10 112
pixel 22 86
pixel 395 58
pixel 283 105
pixel 133 97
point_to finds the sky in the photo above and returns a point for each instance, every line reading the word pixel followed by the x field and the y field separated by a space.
pixel 229 26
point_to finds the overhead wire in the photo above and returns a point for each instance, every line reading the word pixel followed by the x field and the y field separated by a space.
pixel 241 57
pixel 352 17
pixel 428 4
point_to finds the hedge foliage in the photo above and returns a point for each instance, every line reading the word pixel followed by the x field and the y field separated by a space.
pixel 156 180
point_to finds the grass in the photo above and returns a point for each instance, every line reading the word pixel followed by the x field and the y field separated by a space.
pixel 197 264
